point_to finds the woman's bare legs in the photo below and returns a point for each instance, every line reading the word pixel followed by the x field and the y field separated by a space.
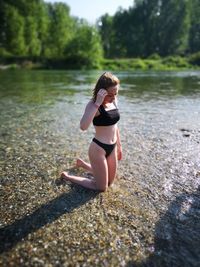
pixel 85 182
pixel 112 166
pixel 98 167
pixel 81 163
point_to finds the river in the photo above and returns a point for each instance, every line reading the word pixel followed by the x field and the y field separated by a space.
pixel 151 215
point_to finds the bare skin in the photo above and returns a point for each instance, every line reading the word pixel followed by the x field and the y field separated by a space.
pixel 82 164
pixel 101 167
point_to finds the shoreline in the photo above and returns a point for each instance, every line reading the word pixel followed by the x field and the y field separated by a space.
pixel 152 63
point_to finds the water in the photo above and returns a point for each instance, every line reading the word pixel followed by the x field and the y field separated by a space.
pixel 150 216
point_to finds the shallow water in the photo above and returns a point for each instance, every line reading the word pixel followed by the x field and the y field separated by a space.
pixel 150 217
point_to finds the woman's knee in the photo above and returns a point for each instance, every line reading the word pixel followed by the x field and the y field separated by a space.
pixel 102 187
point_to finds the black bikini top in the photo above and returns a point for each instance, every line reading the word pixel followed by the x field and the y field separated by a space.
pixel 106 118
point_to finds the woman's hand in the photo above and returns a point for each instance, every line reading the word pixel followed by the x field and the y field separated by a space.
pixel 101 96
pixel 119 152
pixel 119 146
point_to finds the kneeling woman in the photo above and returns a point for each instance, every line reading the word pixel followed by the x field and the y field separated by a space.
pixel 105 148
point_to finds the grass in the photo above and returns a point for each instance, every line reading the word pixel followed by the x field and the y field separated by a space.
pixel 167 63
pixel 154 62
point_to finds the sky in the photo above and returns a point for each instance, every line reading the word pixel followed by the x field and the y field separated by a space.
pixel 93 9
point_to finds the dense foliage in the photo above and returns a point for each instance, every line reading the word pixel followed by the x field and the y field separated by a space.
pixel 169 27
pixel 35 29
pixel 38 30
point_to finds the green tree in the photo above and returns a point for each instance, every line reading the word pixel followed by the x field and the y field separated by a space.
pixel 132 34
pixel 147 13
pixel 173 26
pixel 119 47
pixel 19 26
pixel 43 26
pixel 149 26
pixel 105 27
pixel 194 37
pixel 60 30
pixel 33 44
pixel 36 19
pixel 85 48
pixel 13 31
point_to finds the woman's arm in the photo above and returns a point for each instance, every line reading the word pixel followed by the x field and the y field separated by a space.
pixel 119 146
pixel 90 111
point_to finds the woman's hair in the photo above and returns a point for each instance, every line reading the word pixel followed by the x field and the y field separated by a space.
pixel 105 81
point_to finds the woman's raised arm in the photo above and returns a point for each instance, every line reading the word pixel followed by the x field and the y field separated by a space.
pixel 91 110
pixel 88 115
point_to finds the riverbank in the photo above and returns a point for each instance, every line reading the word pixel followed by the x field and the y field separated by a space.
pixel 155 62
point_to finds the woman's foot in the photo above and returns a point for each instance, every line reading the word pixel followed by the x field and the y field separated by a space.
pixel 64 175
pixel 79 163
pixel 82 164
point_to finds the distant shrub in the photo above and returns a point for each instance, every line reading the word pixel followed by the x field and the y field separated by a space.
pixel 154 64
pixel 138 64
pixel 175 61
pixel 194 59
pixel 154 56
pixel 124 64
pixel 13 66
pixel 27 64
pixel 4 52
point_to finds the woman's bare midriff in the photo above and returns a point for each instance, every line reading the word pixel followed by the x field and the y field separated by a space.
pixel 106 134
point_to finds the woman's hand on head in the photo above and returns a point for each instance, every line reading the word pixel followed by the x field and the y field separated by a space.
pixel 101 96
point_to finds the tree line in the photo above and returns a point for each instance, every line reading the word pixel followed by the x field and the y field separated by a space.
pixel 39 30
pixel 36 29
pixel 165 27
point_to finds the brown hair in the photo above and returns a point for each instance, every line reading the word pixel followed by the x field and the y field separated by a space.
pixel 105 81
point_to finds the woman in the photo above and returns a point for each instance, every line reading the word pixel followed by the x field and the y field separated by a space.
pixel 105 148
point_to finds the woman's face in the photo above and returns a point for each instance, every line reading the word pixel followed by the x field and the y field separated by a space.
pixel 112 93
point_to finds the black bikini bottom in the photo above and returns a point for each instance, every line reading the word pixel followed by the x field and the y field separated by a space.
pixel 107 147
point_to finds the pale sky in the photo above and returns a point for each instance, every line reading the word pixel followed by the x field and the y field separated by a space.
pixel 93 9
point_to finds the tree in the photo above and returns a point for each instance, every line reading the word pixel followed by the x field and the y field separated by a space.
pixel 119 47
pixel 33 44
pixel 173 26
pixel 19 27
pixel 194 36
pixel 13 31
pixel 60 30
pixel 150 26
pixel 105 27
pixel 85 48
pixel 43 26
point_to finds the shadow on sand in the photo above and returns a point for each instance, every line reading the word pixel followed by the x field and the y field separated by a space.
pixel 12 234
pixel 177 235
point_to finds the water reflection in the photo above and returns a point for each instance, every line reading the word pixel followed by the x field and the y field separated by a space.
pixel 160 86
pixel 39 86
